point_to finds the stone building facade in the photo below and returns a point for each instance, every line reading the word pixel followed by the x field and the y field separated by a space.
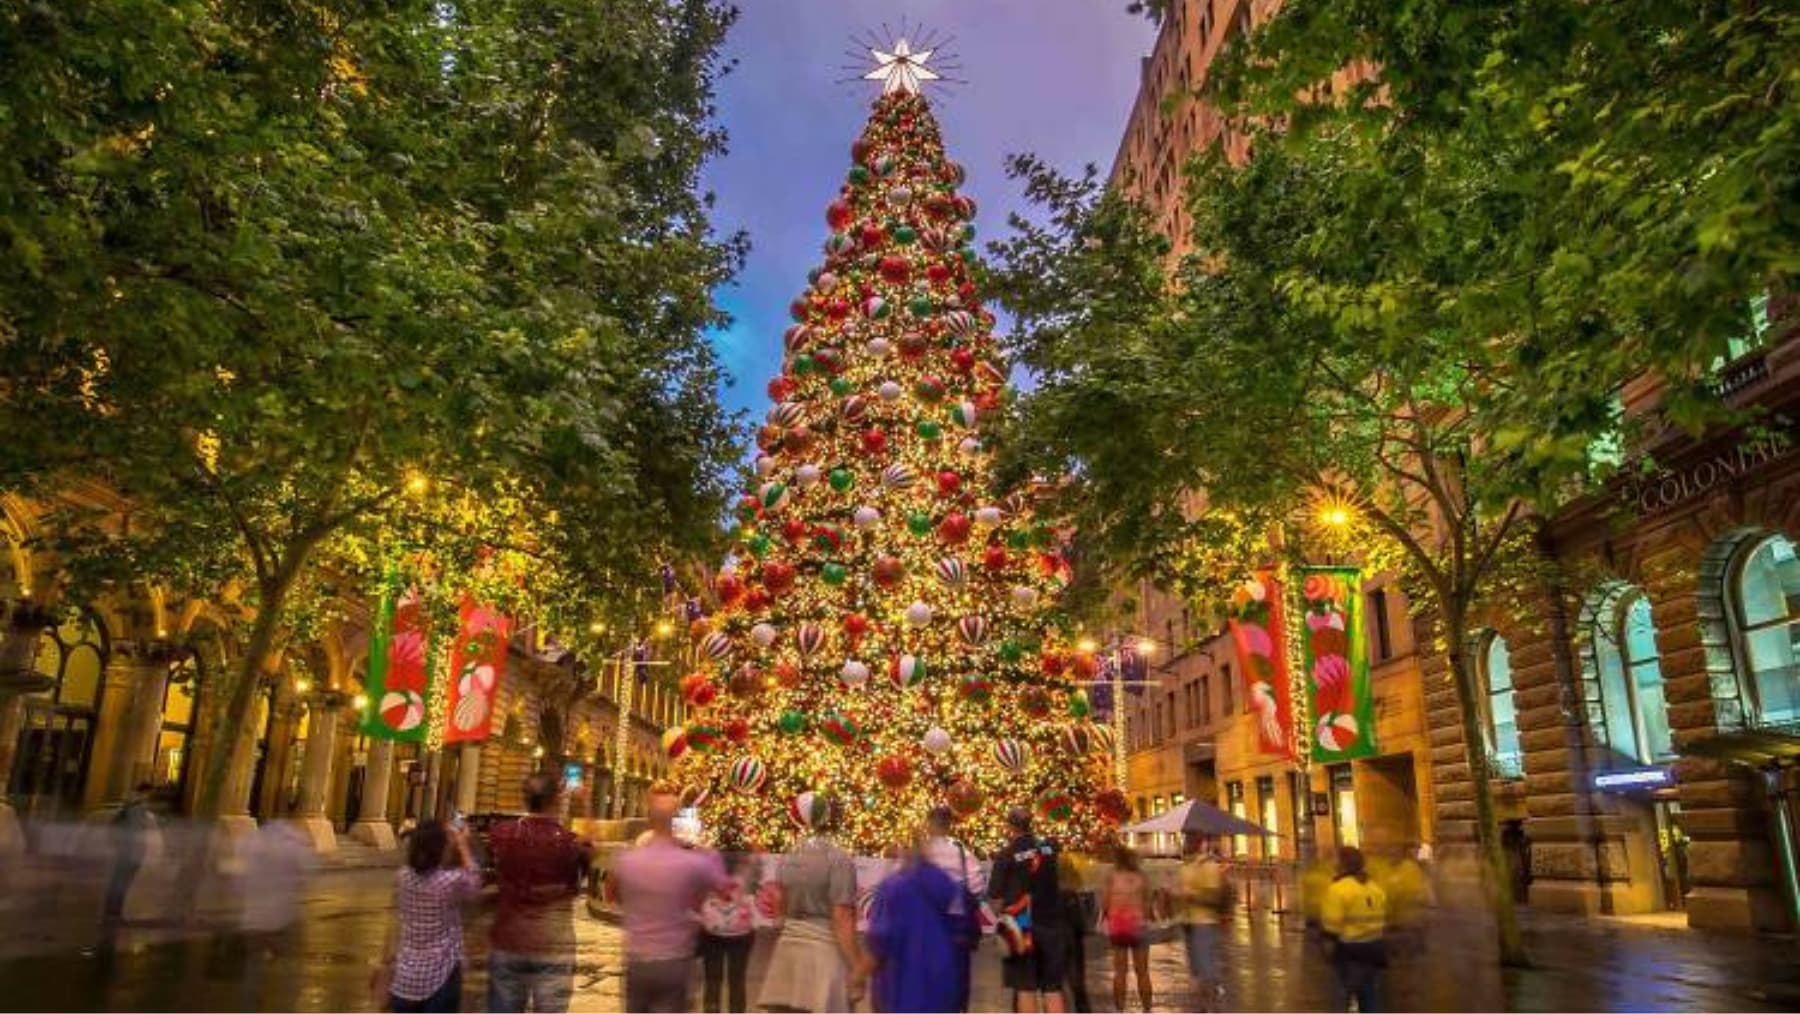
pixel 1641 711
pixel 97 698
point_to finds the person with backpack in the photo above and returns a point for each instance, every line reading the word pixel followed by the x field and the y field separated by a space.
pixel 1034 925
pixel 1354 918
pixel 727 934
pixel 950 855
pixel 1206 901
pixel 1125 916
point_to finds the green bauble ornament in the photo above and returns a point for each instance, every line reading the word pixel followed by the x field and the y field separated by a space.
pixel 967 254
pixel 841 386
pixel 1011 650
pixel 905 235
pixel 858 175
pixel 968 232
pixel 833 573
pixel 1016 539
pixel 841 479
pixel 1041 536
pixel 759 544
pixel 918 523
pixel 929 429
pixel 920 306
pixel 804 365
pixel 791 722
pixel 1078 704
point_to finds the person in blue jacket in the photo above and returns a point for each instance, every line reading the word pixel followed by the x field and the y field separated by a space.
pixel 912 959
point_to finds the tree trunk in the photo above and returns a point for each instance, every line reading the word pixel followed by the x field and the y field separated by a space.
pixel 232 732
pixel 1495 872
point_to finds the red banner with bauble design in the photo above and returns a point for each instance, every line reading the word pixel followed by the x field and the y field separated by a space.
pixel 1258 633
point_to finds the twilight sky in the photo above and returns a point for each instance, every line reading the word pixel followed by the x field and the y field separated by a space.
pixel 1055 77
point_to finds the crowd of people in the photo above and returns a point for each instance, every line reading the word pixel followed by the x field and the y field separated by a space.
pixel 689 913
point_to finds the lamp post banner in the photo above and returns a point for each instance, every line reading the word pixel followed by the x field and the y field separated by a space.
pixel 1258 634
pixel 397 684
pixel 477 664
pixel 1340 697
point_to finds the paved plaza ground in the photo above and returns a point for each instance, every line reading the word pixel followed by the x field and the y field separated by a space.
pixel 49 962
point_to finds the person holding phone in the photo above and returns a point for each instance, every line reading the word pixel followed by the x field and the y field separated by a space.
pixel 423 970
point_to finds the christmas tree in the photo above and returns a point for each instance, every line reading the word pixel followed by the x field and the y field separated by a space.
pixel 887 633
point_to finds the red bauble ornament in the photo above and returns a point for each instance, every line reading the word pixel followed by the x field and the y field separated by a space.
pixel 787 674
pixel 755 600
pixel 794 529
pixel 1052 665
pixel 737 730
pixel 838 309
pixel 873 441
pixel 859 151
pixel 987 401
pixel 872 236
pixel 856 625
pixel 937 272
pixel 887 571
pixel 829 360
pixel 768 438
pixel 729 588
pixel 954 529
pixel 995 558
pixel 949 483
pixel 895 771
pixel 894 270
pixel 1112 805
pixel 702 695
pixel 782 387
pixel 839 215
pixel 778 576
pixel 964 797
pixel 797 440
pixel 962 359
pixel 913 346
pixel 1087 666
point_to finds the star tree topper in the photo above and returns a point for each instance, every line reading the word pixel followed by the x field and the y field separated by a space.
pixel 901 70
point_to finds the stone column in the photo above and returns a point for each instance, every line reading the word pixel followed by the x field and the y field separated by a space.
pixel 124 671
pixel 468 777
pixel 12 837
pixel 372 827
pixel 135 747
pixel 315 773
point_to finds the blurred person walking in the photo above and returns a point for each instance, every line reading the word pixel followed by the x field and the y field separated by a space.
pixel 728 933
pixel 131 829
pixel 950 855
pixel 1083 911
pixel 816 964
pixel 1125 913
pixel 661 886
pixel 1026 891
pixel 279 862
pixel 1354 918
pixel 538 864
pixel 916 954
pixel 1205 903
pixel 423 967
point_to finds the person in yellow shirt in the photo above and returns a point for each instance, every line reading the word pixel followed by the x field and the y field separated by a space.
pixel 1205 898
pixel 1354 918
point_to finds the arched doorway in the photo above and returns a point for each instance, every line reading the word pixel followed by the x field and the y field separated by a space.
pixel 56 737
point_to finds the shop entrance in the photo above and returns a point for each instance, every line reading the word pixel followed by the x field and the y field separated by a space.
pixel 1671 852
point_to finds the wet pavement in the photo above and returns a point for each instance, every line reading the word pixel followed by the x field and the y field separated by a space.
pixel 49 962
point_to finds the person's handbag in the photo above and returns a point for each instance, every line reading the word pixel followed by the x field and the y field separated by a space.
pixel 1124 926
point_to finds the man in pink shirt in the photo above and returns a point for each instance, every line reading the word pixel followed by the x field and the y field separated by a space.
pixel 661 885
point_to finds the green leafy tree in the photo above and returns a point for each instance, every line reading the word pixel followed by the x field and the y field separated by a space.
pixel 298 280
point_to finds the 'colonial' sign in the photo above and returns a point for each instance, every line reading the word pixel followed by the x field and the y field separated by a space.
pixel 1668 488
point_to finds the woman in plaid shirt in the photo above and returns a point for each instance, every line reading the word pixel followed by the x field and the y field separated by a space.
pixel 426 967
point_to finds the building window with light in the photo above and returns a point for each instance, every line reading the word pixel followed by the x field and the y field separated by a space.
pixel 1500 716
pixel 1630 674
pixel 1234 801
pixel 1265 801
pixel 1766 615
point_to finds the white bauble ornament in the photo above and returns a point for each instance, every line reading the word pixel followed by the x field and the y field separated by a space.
pixel 918 614
pixel 936 741
pixel 878 346
pixel 765 464
pixel 988 516
pixel 899 197
pixel 854 674
pixel 763 634
pixel 827 281
pixel 807 475
pixel 1024 596
pixel 969 447
pixel 866 518
pixel 889 390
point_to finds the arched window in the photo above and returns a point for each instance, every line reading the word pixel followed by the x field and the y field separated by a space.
pixel 1501 715
pixel 56 737
pixel 1631 683
pixel 1767 616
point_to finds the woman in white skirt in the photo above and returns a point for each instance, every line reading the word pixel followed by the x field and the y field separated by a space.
pixel 814 964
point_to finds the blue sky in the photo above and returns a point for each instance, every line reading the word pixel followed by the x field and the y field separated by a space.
pixel 1054 77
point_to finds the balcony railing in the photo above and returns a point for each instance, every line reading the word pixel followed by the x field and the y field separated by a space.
pixel 1739 374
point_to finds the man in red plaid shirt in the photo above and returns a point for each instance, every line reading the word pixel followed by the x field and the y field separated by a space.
pixel 539 864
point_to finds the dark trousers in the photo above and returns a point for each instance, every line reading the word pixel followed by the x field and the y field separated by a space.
pixel 659 987
pixel 1358 969
pixel 1078 991
pixel 118 888
pixel 725 960
pixel 447 999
